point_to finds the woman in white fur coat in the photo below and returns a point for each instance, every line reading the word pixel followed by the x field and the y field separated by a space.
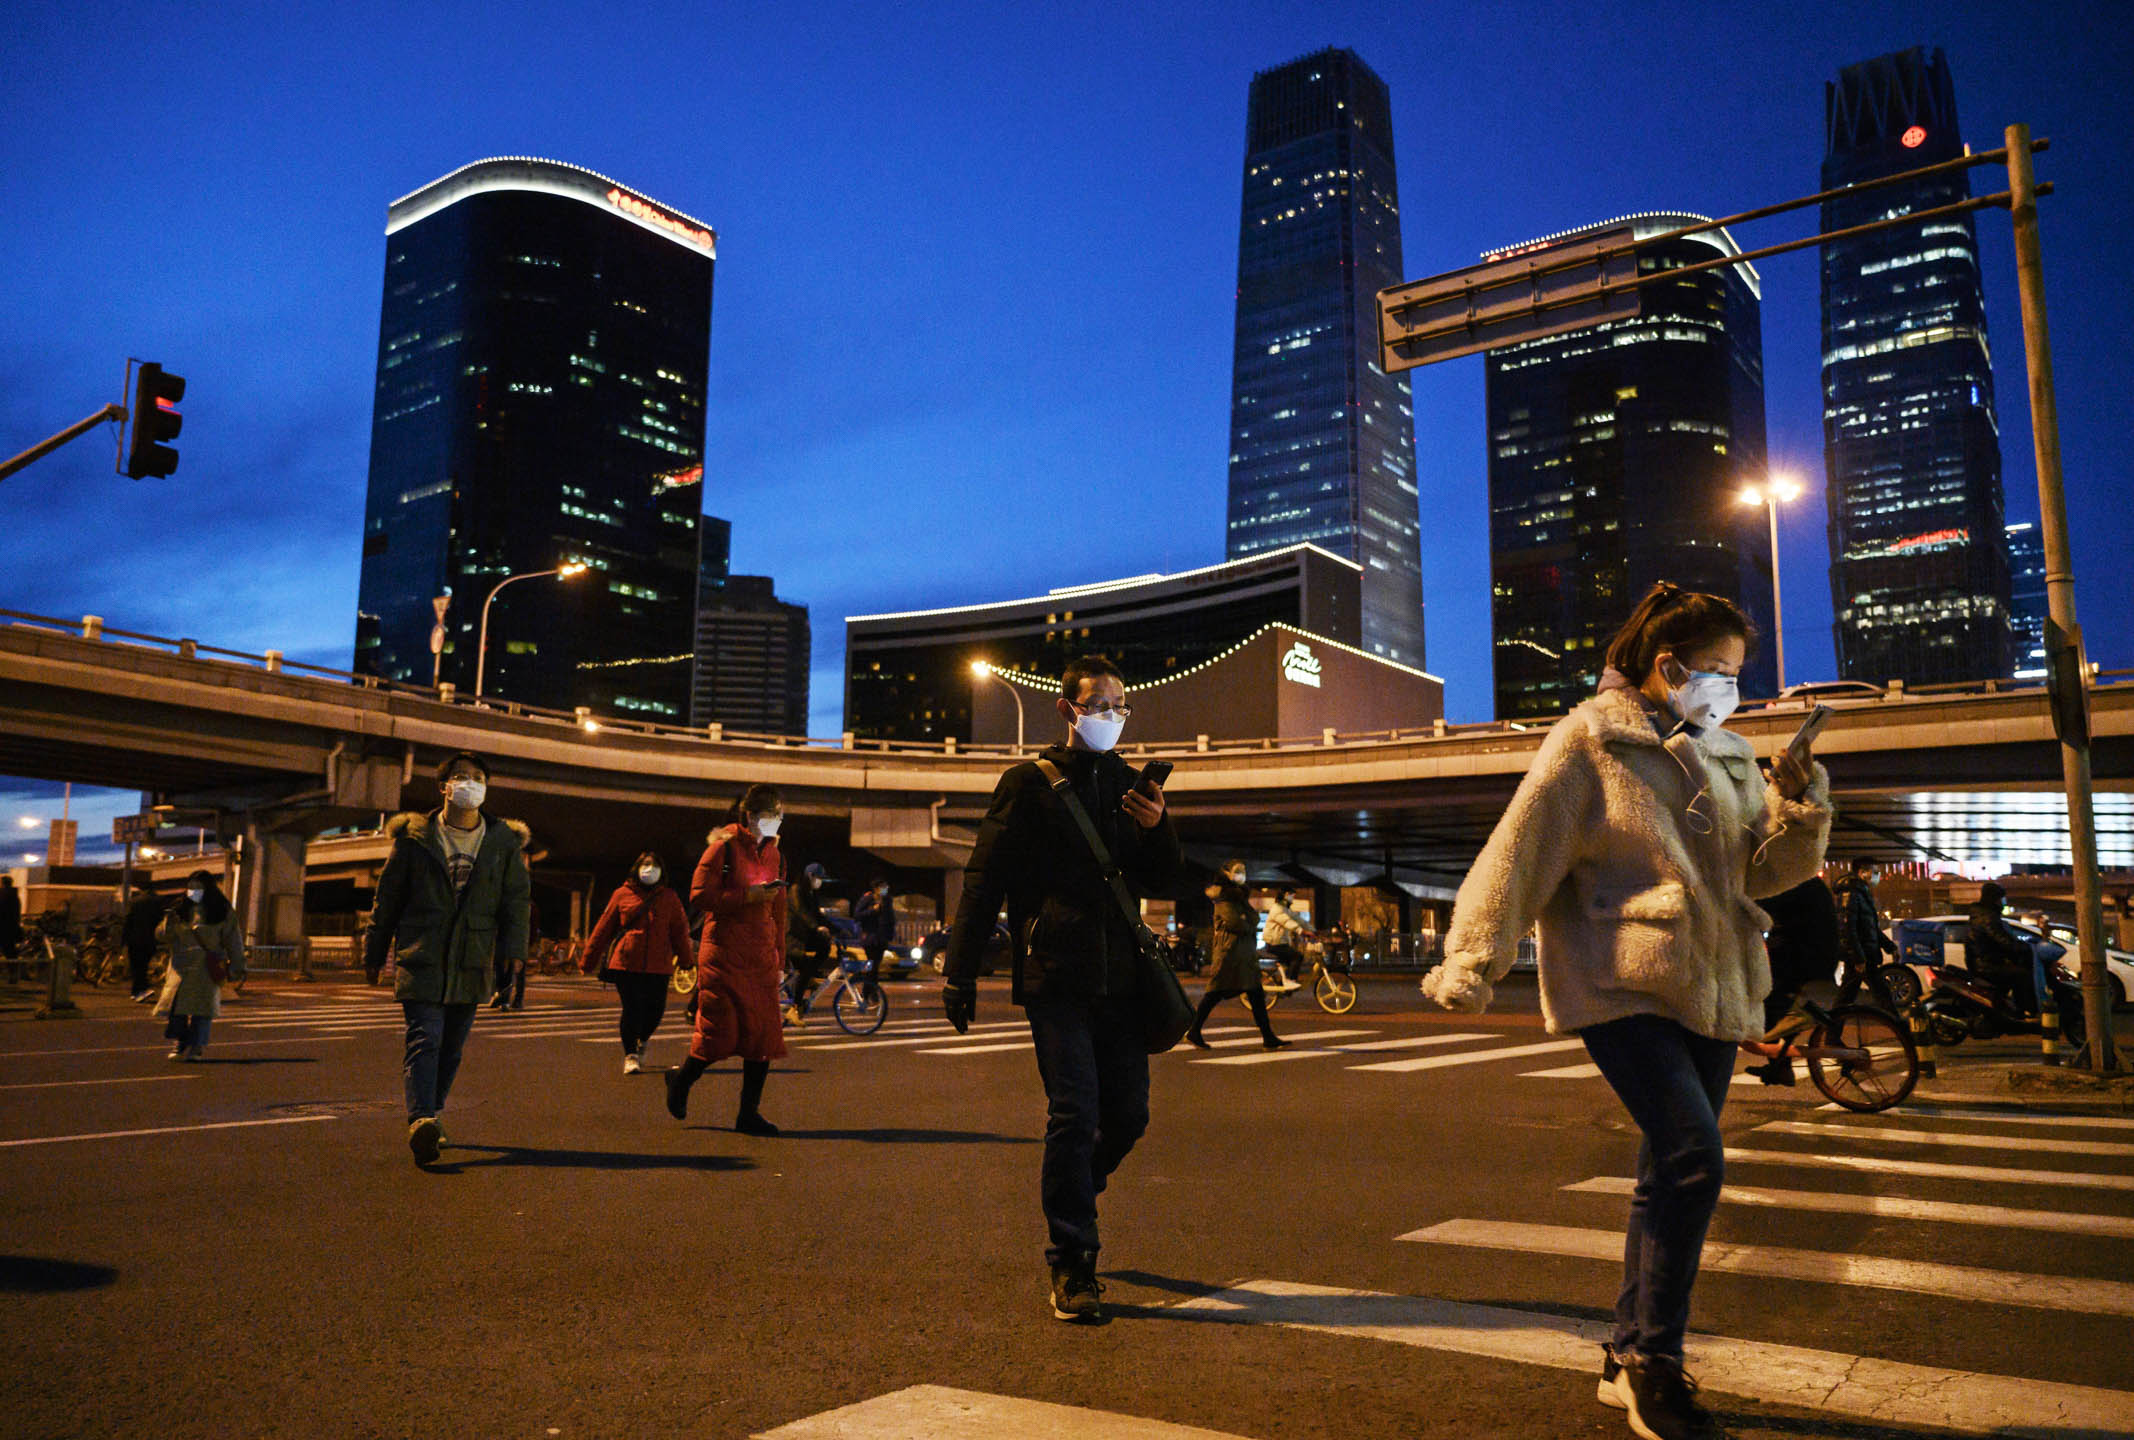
pixel 1639 842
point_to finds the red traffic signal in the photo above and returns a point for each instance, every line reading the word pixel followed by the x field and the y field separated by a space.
pixel 156 394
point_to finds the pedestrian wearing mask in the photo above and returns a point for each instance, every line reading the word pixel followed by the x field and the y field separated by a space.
pixel 876 913
pixel 11 923
pixel 1233 968
pixel 206 947
pixel 144 918
pixel 739 888
pixel 1639 840
pixel 643 933
pixel 809 940
pixel 1861 941
pixel 1283 938
pixel 453 898
pixel 1075 956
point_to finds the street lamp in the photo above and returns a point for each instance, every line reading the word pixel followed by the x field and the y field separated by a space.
pixel 985 671
pixel 1774 492
pixel 481 649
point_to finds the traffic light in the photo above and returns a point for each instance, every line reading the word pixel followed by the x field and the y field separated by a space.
pixel 155 419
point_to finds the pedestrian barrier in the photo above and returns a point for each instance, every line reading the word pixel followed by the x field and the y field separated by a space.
pixel 1923 1042
pixel 2048 1026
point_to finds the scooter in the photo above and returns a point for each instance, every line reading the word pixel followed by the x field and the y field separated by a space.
pixel 1963 1005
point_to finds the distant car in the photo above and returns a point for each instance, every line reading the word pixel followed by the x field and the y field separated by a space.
pixel 1832 690
pixel 1920 947
pixel 933 951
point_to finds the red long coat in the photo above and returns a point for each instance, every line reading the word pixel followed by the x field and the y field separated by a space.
pixel 742 953
pixel 648 926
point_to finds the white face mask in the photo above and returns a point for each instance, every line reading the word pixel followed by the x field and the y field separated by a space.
pixel 1236 877
pixel 196 896
pixel 767 825
pixel 1706 699
pixel 648 874
pixel 467 794
pixel 1098 732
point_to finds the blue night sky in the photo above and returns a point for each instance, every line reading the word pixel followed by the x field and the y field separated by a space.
pixel 975 274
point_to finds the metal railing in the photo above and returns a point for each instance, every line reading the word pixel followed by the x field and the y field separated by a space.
pixel 91 627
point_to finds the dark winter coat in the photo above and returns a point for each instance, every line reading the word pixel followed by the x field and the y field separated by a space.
pixel 804 920
pixel 10 919
pixel 741 957
pixel 446 944
pixel 1991 949
pixel 142 919
pixel 1233 961
pixel 877 919
pixel 648 928
pixel 1860 928
pixel 1068 937
pixel 1803 938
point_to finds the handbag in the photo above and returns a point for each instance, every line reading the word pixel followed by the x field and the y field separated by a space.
pixel 1166 1013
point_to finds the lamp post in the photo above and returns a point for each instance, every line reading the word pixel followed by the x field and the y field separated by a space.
pixel 985 671
pixel 1774 492
pixel 481 649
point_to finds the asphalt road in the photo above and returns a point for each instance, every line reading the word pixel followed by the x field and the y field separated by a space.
pixel 1303 1247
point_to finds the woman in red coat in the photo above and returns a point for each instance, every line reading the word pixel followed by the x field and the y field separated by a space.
pixel 739 889
pixel 649 931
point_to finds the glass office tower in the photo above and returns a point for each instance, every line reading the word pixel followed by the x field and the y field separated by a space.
pixel 2028 607
pixel 1322 441
pixel 1911 447
pixel 540 401
pixel 1617 457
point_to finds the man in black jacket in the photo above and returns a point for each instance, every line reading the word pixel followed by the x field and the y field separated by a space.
pixel 1995 953
pixel 1861 943
pixel 1074 957
pixel 143 918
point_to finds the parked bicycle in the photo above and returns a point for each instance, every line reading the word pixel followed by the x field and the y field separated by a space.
pixel 1860 1056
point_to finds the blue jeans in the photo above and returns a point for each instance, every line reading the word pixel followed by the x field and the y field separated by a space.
pixel 436 1035
pixel 1673 1083
pixel 1096 1073
pixel 189 1032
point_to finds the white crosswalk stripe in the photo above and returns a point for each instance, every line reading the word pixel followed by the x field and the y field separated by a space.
pixel 1588 1071
pixel 939 1413
pixel 2001 1116
pixel 1929 1169
pixel 1298 1051
pixel 1962 1141
pixel 1471 1057
pixel 1895 1207
pixel 1956 1282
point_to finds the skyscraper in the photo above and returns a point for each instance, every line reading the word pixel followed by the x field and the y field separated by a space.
pixel 752 656
pixel 1912 451
pixel 542 352
pixel 2028 608
pixel 1322 441
pixel 1617 457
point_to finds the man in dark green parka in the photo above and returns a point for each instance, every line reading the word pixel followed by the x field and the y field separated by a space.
pixel 453 898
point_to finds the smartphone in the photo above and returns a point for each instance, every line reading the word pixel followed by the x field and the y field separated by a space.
pixel 780 881
pixel 1154 774
pixel 1804 738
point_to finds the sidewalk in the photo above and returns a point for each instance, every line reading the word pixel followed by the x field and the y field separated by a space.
pixel 2011 1072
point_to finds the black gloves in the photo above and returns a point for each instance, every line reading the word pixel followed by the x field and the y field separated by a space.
pixel 961 1004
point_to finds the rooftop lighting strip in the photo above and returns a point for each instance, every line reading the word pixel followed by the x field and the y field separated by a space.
pixel 1041 683
pixel 1104 586
pixel 468 188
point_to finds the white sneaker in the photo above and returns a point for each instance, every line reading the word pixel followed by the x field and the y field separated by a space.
pixel 631 1064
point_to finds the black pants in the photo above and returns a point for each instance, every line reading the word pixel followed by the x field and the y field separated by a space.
pixel 138 958
pixel 1096 1072
pixel 1256 997
pixel 644 1005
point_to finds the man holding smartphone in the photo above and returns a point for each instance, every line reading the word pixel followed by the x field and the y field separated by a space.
pixel 1074 957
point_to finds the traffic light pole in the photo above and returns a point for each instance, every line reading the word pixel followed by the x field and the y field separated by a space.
pixel 2068 674
pixel 72 432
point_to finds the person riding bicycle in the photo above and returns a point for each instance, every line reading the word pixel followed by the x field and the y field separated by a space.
pixel 809 941
pixel 1283 938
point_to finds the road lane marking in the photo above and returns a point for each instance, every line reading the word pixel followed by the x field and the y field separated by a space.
pixel 1931 1169
pixel 122 1080
pixel 1471 1057
pixel 165 1049
pixel 1269 1057
pixel 1918 1277
pixel 1896 1207
pixel 1564 1072
pixel 1887 1391
pixel 940 1413
pixel 845 1041
pixel 1023 1044
pixel 1823 1130
pixel 2001 1117
pixel 163 1130
pixel 1412 1042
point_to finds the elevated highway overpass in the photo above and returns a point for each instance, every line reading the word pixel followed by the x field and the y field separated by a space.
pixel 278 752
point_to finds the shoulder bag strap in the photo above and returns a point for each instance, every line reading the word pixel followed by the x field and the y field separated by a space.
pixel 1129 908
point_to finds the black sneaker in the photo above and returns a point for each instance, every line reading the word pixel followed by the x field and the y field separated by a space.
pixel 1662 1401
pixel 425 1138
pixel 1775 1071
pixel 1076 1291
pixel 1193 1038
pixel 1273 1042
pixel 752 1123
pixel 1610 1390
pixel 677 1094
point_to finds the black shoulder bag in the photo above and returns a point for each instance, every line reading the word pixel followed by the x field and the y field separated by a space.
pixel 1166 1013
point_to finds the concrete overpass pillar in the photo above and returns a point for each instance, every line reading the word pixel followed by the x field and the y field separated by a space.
pixel 270 885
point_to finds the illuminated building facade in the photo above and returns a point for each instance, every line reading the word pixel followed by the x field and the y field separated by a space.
pixel 1322 441
pixel 1911 446
pixel 1617 457
pixel 908 676
pixel 2027 608
pixel 542 353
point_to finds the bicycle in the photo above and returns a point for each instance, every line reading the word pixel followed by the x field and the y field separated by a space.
pixel 1326 973
pixel 857 999
pixel 1861 1057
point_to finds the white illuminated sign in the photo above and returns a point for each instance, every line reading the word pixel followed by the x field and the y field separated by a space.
pixel 1300 665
